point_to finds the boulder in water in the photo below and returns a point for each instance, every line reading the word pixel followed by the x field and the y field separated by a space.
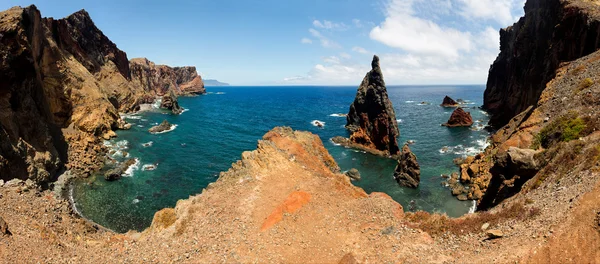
pixel 115 174
pixel 164 126
pixel 459 118
pixel 408 172
pixel 449 102
pixel 353 174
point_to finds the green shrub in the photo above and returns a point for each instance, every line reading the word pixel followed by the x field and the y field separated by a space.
pixel 564 129
pixel 587 82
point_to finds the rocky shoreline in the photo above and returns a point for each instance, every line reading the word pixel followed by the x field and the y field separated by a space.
pixel 537 187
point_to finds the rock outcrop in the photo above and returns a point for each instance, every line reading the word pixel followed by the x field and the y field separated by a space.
pixel 116 173
pixel 160 79
pixel 408 172
pixel 353 174
pixel 63 82
pixel 169 102
pixel 372 119
pixel 459 118
pixel 449 102
pixel 162 127
pixel 531 50
pixel 511 170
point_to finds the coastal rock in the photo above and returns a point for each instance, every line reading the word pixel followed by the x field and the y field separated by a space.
pixel 407 172
pixel 449 102
pixel 531 51
pixel 353 174
pixel 169 101
pixel 459 118
pixel 63 77
pixel 116 173
pixel 164 126
pixel 372 119
pixel 511 170
pixel 159 80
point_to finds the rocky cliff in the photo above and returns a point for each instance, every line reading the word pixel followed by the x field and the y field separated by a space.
pixel 372 119
pixel 531 50
pixel 287 201
pixel 62 86
pixel 160 79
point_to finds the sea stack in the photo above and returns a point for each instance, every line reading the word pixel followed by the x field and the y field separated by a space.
pixel 169 101
pixel 408 172
pixel 449 102
pixel 459 118
pixel 372 120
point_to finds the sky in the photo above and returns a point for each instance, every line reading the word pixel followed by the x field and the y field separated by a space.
pixel 305 42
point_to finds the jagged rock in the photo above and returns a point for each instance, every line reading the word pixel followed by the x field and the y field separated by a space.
pixel 494 233
pixel 408 172
pixel 353 174
pixel 449 102
pixel 164 126
pixel 116 173
pixel 485 226
pixel 531 51
pixel 511 170
pixel 459 118
pixel 372 119
pixel 169 101
pixel 4 228
pixel 61 77
pixel 161 79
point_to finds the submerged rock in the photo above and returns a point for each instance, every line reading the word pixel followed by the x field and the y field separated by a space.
pixel 116 173
pixel 449 102
pixel 408 172
pixel 371 119
pixel 459 118
pixel 164 126
pixel 353 174
pixel 169 101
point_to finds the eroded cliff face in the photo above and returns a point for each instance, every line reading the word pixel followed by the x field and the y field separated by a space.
pixel 372 119
pixel 160 79
pixel 62 86
pixel 551 32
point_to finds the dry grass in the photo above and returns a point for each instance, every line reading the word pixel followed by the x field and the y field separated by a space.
pixel 436 224
pixel 578 70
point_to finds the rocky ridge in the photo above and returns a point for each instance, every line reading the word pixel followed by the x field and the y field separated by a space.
pixel 287 201
pixel 372 119
pixel 63 86
pixel 531 50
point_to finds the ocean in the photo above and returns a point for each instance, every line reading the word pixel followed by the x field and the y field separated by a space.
pixel 216 128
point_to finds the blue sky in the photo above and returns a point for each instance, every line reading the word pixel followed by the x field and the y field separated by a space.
pixel 294 42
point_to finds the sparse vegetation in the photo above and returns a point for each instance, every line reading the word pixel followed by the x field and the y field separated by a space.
pixel 563 129
pixel 584 84
pixel 578 70
pixel 436 224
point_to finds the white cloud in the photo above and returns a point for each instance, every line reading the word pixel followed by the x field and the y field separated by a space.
pixel 332 60
pixel 360 50
pixel 500 11
pixel 345 55
pixel 429 42
pixel 357 23
pixel 329 25
pixel 306 41
pixel 325 42
pixel 402 29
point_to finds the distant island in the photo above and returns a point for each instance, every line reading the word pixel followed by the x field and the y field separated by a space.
pixel 214 83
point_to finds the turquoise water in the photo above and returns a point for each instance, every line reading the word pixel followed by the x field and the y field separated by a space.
pixel 219 126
